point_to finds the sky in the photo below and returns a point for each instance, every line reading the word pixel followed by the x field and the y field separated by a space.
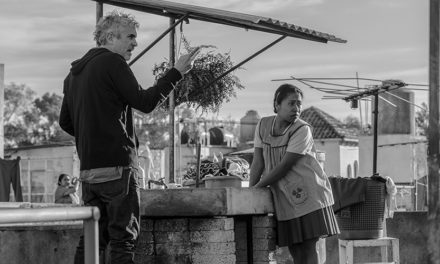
pixel 385 40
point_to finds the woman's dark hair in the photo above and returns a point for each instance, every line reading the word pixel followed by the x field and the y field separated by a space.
pixel 283 91
pixel 60 178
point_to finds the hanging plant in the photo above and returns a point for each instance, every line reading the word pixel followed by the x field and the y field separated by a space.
pixel 193 90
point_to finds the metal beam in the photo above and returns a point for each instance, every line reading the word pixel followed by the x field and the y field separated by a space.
pixel 376 118
pixel 244 61
pixel 172 27
pixel 171 99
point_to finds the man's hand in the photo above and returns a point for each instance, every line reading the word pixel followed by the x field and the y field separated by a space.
pixel 185 62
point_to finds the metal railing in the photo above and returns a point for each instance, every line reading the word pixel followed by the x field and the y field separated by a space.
pixel 89 214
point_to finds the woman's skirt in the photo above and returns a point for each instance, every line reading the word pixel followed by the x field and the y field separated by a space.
pixel 317 224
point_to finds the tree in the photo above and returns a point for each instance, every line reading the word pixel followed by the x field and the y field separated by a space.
pixel 29 120
pixel 422 120
pixel 352 122
pixel 18 113
pixel 50 106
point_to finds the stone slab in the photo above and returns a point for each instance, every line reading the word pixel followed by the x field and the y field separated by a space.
pixel 226 201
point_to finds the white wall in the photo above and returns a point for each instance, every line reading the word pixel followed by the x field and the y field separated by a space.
pixel 337 157
pixel 332 155
pixel 402 162
pixel 348 156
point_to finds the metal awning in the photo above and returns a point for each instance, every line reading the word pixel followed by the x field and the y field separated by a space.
pixel 270 25
pixel 184 12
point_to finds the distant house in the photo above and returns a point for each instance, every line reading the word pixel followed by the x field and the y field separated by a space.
pixel 40 167
pixel 340 145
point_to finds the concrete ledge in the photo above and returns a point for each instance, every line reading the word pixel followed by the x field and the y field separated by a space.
pixel 225 201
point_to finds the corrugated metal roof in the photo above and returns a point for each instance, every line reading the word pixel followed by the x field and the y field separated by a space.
pixel 326 126
pixel 171 9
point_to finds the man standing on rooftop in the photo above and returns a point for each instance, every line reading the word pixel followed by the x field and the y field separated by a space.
pixel 99 94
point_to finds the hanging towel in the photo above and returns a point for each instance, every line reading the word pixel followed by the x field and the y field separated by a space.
pixel 10 173
pixel 347 192
pixel 390 198
pixel 390 204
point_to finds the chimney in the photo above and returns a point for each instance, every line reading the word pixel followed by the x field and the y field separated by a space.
pixel 248 124
pixel 397 119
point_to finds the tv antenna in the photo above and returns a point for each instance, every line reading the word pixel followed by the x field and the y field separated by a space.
pixel 355 94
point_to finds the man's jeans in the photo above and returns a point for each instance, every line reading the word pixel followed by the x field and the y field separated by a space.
pixel 118 202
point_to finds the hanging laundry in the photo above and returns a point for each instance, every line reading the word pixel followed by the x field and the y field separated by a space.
pixel 10 174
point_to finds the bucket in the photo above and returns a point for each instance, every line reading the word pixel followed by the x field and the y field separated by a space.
pixel 364 220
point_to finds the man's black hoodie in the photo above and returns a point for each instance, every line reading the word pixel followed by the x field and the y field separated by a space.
pixel 99 94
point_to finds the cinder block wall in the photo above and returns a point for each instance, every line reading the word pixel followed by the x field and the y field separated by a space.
pixel 217 240
pixel 187 240
pixel 199 240
pixel 263 239
pixel 39 244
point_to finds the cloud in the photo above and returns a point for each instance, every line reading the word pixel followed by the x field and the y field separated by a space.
pixel 268 6
pixel 386 39
pixel 406 74
pixel 388 4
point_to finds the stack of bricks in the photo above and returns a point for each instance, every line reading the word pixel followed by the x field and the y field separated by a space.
pixel 186 240
pixel 263 240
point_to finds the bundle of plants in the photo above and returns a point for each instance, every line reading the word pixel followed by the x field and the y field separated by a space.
pixel 196 88
pixel 227 166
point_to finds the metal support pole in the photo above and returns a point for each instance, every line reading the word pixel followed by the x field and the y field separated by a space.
pixel 99 11
pixel 171 102
pixel 433 134
pixel 360 102
pixel 198 154
pixel 375 113
pixel 91 244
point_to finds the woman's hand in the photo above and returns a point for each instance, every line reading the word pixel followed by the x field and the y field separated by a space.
pixel 75 183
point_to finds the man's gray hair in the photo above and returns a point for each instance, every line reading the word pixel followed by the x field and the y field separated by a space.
pixel 110 24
